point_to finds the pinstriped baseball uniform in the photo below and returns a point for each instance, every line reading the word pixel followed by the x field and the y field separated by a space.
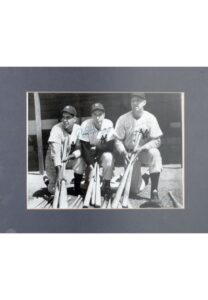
pixel 90 134
pixel 126 130
pixel 56 140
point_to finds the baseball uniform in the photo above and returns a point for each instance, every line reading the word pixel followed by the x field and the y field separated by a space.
pixel 103 140
pixel 57 138
pixel 126 130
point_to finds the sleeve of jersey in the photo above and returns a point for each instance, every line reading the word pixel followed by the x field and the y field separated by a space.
pixel 56 154
pixel 86 154
pixel 155 131
pixel 111 133
pixel 155 143
pixel 120 136
pixel 55 136
pixel 84 133
pixel 77 151
pixel 55 141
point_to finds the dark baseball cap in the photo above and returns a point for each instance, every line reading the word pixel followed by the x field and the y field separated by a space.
pixel 97 106
pixel 70 110
pixel 141 96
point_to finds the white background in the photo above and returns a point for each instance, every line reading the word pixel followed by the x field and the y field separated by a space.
pixel 103 33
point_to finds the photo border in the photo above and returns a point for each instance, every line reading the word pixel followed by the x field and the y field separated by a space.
pixel 15 81
pixel 115 92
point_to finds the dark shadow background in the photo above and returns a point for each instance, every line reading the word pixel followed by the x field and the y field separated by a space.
pixel 15 82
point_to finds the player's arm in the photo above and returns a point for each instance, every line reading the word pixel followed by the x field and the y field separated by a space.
pixel 56 157
pixel 120 136
pixel 77 150
pixel 108 144
pixel 86 147
pixel 87 152
pixel 75 147
pixel 55 144
pixel 105 147
pixel 153 143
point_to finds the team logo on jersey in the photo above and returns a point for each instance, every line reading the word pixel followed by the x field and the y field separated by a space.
pixel 144 133
pixel 103 139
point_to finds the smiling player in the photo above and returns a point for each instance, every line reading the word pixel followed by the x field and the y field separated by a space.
pixel 67 130
pixel 127 127
pixel 97 142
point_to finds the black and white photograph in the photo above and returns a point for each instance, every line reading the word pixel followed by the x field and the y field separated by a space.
pixel 105 150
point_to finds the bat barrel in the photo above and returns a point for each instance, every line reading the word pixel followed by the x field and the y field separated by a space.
pixel 56 198
pixel 63 195
pixel 93 199
pixel 121 187
pixel 127 188
pixel 90 188
pixel 123 183
pixel 98 192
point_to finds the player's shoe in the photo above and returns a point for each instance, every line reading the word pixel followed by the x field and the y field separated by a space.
pixel 146 177
pixel 155 196
pixel 106 189
pixel 46 180
pixel 48 197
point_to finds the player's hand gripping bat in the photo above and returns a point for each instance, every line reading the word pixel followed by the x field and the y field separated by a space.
pixel 125 178
pixel 60 197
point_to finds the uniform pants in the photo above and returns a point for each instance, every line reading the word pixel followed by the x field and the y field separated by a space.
pixel 150 158
pixel 107 162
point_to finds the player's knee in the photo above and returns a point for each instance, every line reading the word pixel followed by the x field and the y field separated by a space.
pixel 80 165
pixel 155 153
pixel 107 158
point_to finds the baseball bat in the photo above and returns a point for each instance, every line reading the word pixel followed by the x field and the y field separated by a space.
pixel 60 196
pixel 176 204
pixel 127 188
pixel 63 190
pixel 98 193
pixel 93 199
pixel 56 197
pixel 121 187
pixel 63 195
pixel 89 189
pixel 119 205
pixel 129 205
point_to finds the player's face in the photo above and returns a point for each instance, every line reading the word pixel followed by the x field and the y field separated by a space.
pixel 98 117
pixel 137 105
pixel 68 121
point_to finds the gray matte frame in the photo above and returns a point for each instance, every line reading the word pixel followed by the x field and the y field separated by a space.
pixel 15 82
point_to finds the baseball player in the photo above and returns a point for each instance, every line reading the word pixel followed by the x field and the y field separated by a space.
pixel 97 142
pixel 127 127
pixel 67 131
